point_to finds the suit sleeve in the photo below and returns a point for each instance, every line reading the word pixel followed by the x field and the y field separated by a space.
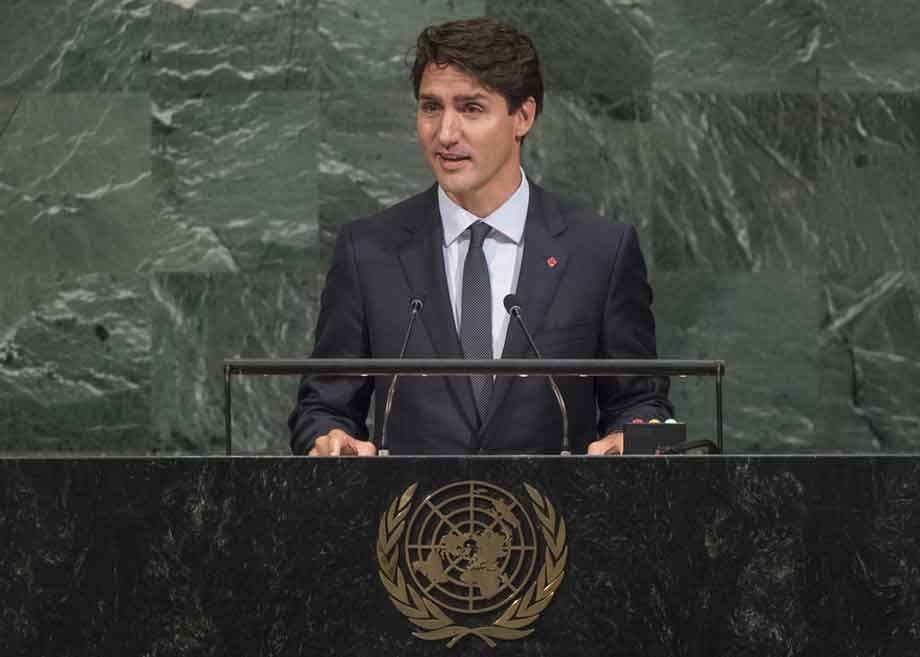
pixel 629 332
pixel 326 402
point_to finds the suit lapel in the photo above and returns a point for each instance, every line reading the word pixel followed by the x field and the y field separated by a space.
pixel 543 265
pixel 422 259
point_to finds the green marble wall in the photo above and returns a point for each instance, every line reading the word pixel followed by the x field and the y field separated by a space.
pixel 172 174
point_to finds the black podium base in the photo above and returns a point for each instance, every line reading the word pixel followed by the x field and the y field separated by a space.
pixel 263 556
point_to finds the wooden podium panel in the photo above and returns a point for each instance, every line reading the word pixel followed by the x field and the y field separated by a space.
pixel 288 556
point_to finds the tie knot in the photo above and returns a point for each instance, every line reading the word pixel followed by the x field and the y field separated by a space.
pixel 478 233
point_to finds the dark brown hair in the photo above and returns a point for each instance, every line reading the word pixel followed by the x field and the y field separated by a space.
pixel 493 52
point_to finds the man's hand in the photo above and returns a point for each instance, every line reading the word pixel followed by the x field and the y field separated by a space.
pixel 609 444
pixel 339 443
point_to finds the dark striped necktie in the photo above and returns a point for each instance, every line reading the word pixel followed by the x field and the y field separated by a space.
pixel 476 313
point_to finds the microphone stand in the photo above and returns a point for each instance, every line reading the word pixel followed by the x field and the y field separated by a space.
pixel 514 309
pixel 415 307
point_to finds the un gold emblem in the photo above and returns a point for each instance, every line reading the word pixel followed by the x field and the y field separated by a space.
pixel 471 550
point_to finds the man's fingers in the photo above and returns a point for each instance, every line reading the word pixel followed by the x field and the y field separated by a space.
pixel 320 447
pixel 615 446
pixel 598 447
pixel 339 443
pixel 328 445
pixel 364 448
pixel 611 444
pixel 354 447
pixel 595 448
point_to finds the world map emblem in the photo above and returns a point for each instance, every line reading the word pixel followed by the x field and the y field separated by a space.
pixel 470 559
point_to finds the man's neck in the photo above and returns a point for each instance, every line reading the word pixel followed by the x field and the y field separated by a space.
pixel 482 203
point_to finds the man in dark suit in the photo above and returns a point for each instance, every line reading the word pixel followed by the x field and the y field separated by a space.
pixel 483 231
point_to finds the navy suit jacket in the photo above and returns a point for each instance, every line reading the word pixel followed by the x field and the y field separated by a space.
pixel 595 302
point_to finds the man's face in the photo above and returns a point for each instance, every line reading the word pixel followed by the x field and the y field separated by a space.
pixel 469 139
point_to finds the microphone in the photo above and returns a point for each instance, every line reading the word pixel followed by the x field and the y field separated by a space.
pixel 415 307
pixel 514 309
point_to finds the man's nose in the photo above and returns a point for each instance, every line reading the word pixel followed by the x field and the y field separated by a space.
pixel 449 128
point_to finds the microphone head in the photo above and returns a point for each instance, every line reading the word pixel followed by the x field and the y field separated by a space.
pixel 511 303
pixel 416 304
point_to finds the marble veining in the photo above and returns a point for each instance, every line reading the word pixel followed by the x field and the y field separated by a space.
pixel 74 372
pixel 198 157
pixel 72 46
pixel 869 342
pixel 61 215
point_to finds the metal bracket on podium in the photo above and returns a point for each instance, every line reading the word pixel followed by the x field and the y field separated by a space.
pixel 463 367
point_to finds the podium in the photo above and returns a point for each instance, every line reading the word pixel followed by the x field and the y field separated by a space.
pixel 690 555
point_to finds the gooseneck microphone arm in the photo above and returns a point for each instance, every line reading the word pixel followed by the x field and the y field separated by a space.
pixel 514 309
pixel 415 307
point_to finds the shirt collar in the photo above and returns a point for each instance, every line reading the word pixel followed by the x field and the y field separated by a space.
pixel 508 219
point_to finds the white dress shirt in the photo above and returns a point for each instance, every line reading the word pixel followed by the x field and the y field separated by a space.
pixel 503 248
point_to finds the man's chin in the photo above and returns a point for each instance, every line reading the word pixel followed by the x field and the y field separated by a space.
pixel 453 184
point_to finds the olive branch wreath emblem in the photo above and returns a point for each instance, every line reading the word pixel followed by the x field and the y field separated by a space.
pixel 433 622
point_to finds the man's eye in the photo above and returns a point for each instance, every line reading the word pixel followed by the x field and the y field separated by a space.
pixel 429 107
pixel 473 108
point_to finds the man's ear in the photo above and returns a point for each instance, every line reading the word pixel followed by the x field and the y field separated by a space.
pixel 524 118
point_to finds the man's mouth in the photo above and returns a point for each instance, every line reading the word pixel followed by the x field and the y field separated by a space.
pixel 451 157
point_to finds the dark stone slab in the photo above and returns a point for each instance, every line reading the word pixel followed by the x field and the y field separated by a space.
pixel 200 319
pixel 342 199
pixel 368 157
pixel 20 294
pixel 764 326
pixel 233 45
pixel 734 180
pixel 681 556
pixel 586 151
pixel 75 189
pixel 75 46
pixel 9 103
pixel 370 139
pixel 870 361
pixel 75 365
pixel 598 50
pixel 235 180
pixel 867 196
pixel 870 47
pixel 737 45
pixel 369 44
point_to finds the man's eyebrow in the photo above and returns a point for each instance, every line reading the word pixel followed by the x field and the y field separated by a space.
pixel 472 97
pixel 478 96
